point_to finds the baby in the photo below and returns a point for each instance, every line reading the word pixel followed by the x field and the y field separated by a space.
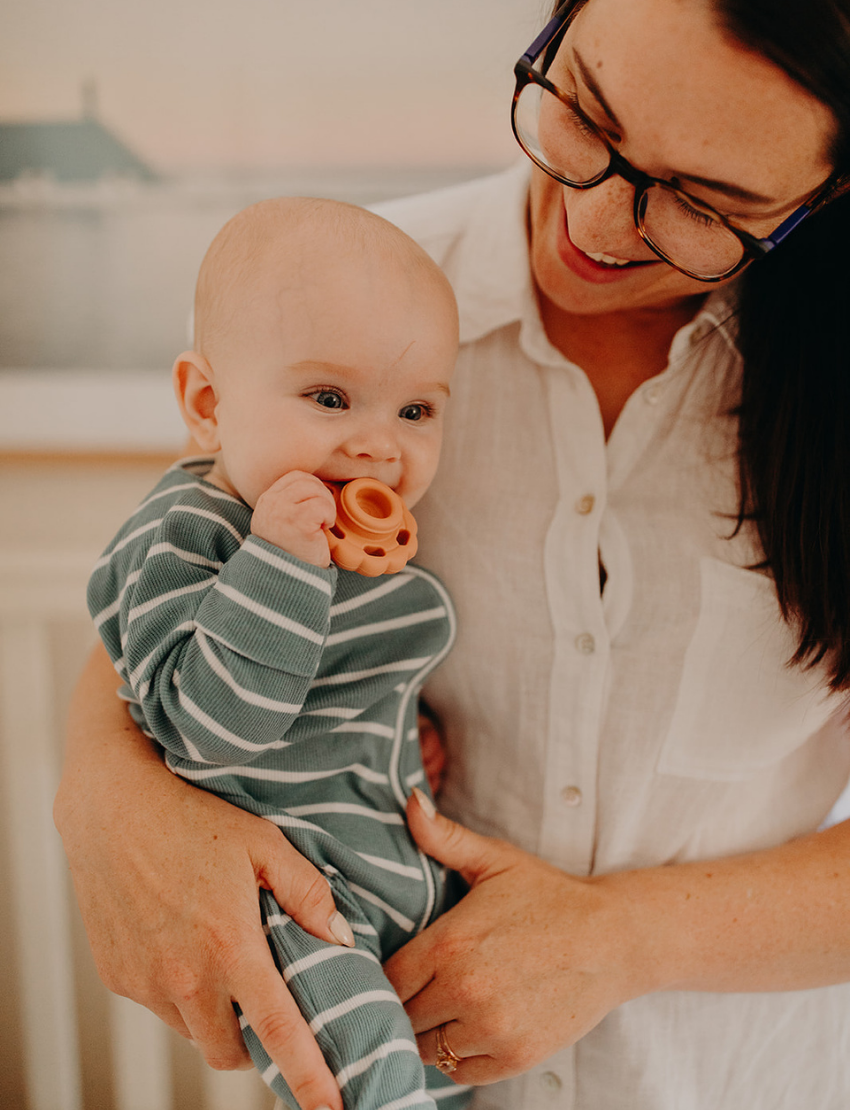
pixel 324 347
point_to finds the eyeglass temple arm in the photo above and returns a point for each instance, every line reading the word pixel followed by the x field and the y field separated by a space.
pixel 833 188
pixel 784 229
pixel 546 35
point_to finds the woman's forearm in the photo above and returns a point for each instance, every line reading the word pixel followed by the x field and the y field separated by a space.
pixel 167 880
pixel 766 921
pixel 94 756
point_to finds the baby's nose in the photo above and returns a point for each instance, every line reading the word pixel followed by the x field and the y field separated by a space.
pixel 374 440
pixel 374 436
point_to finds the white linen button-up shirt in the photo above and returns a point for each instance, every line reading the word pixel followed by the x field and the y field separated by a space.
pixel 654 722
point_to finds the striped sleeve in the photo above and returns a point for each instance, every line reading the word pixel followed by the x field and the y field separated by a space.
pixel 218 639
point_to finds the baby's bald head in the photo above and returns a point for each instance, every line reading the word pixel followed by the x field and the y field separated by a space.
pixel 325 342
pixel 283 244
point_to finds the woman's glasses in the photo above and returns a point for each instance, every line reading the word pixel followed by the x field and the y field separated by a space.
pixel 684 231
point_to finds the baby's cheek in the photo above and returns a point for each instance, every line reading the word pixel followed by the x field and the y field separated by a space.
pixel 419 474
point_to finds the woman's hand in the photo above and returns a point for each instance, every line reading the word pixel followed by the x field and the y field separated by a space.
pixel 533 958
pixel 167 878
pixel 528 962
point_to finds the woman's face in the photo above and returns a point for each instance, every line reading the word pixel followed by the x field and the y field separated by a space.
pixel 683 102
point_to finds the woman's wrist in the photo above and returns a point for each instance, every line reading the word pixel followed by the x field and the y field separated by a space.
pixel 647 949
pixel 627 935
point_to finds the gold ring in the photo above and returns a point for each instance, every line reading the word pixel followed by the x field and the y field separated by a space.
pixel 447 1061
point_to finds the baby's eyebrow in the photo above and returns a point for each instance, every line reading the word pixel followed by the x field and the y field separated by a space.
pixel 309 364
pixel 336 369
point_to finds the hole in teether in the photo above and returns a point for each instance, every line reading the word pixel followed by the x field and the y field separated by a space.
pixel 337 531
pixel 374 503
pixel 403 538
pixel 378 551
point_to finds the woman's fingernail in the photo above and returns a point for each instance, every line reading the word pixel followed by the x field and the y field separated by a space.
pixel 340 930
pixel 425 804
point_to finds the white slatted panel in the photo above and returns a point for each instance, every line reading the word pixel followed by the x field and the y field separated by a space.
pixel 235 1090
pixel 40 912
pixel 121 1058
pixel 141 1057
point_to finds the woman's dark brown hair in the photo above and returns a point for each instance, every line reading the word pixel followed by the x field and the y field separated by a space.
pixel 794 336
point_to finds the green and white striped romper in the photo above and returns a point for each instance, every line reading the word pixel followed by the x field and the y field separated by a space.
pixel 291 691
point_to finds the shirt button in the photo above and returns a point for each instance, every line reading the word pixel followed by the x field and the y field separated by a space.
pixel 550 1082
pixel 585 643
pixel 651 394
pixel 585 504
pixel 571 796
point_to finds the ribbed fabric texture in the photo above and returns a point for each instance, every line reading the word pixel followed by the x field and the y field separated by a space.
pixel 292 691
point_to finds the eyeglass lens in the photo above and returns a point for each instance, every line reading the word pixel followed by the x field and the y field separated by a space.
pixel 561 142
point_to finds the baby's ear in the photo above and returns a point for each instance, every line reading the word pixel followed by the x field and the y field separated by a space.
pixel 194 387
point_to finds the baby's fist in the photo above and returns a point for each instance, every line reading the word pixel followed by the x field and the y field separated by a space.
pixel 293 513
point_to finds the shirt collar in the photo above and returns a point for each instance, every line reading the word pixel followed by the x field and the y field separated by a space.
pixel 493 277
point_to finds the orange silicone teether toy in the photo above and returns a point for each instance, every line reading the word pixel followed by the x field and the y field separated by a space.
pixel 374 532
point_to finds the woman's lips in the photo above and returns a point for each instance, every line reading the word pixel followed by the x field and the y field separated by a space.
pixel 594 269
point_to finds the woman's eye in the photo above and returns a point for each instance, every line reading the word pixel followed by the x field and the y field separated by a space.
pixel 415 412
pixel 694 214
pixel 576 120
pixel 328 398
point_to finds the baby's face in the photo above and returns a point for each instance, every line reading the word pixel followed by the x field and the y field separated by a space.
pixel 345 376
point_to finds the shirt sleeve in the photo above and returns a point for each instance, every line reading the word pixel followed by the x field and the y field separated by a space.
pixel 220 638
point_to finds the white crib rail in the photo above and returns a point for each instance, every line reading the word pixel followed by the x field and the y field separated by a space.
pixel 39 901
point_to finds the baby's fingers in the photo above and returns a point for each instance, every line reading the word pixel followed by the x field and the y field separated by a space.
pixel 293 514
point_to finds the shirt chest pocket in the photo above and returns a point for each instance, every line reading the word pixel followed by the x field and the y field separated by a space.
pixel 740 708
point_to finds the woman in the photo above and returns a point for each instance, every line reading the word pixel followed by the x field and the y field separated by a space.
pixel 642 518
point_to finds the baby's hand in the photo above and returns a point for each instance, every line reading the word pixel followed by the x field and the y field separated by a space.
pixel 433 750
pixel 293 513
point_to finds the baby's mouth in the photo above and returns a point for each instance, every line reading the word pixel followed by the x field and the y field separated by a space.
pixel 337 484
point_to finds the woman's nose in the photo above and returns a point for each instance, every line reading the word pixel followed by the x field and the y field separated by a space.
pixel 601 219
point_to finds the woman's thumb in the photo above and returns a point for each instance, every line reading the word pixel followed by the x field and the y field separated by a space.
pixel 305 894
pixel 475 857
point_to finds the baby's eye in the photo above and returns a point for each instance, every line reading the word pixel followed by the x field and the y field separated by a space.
pixel 419 411
pixel 328 398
